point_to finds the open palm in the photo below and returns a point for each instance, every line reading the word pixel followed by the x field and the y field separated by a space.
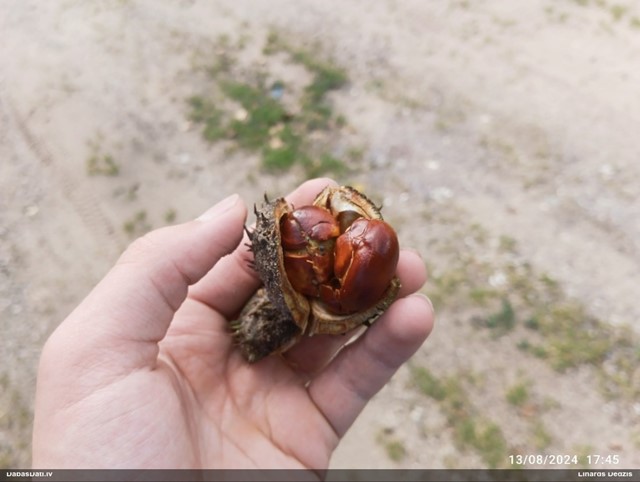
pixel 144 373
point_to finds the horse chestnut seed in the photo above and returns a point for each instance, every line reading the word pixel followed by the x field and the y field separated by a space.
pixel 346 261
pixel 327 268
pixel 308 237
pixel 366 256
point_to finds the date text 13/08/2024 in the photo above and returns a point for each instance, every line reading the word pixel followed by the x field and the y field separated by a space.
pixel 558 459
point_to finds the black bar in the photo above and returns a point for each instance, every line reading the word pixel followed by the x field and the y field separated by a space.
pixel 364 475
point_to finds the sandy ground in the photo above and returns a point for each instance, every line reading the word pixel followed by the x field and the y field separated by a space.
pixel 522 117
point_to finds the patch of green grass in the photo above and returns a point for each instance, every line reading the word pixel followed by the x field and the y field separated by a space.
pixel 470 429
pixel 618 11
pixel 137 225
pixel 488 440
pixel 284 153
pixel 483 436
pixel 427 383
pixel 221 65
pixel 482 295
pixel 252 130
pixel 131 193
pixel 395 448
pixel 355 154
pixel 263 124
pixel 518 394
pixel 102 165
pixel 280 159
pixel 273 43
pixel 263 113
pixel 324 164
pixel 503 320
pixel 541 438
pixel 583 452
pixel 532 323
pixel 507 244
pixel 206 113
pixel 557 329
pixel 573 337
pixel 327 77
pixel 536 350
pixel 450 284
pixel 170 216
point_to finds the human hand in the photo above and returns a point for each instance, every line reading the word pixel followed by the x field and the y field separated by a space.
pixel 144 374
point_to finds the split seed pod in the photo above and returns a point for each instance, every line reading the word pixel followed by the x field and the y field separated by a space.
pixel 326 268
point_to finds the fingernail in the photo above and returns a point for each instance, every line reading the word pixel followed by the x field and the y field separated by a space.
pixel 422 295
pixel 414 251
pixel 223 206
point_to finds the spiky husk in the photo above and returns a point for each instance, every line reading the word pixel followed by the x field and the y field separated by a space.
pixel 268 322
pixel 262 329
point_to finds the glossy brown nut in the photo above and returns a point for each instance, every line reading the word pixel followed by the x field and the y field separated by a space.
pixel 307 224
pixel 346 219
pixel 308 239
pixel 306 271
pixel 366 256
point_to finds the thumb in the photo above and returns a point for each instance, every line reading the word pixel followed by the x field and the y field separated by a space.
pixel 132 307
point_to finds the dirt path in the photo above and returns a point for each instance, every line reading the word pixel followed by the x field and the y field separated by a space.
pixel 518 119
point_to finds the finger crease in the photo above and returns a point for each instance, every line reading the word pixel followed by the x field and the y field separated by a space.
pixel 323 415
pixel 167 299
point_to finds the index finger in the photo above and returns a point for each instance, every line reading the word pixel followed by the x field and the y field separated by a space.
pixel 231 282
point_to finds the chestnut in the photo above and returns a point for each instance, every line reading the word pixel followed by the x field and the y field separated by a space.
pixel 366 256
pixel 326 268
pixel 308 240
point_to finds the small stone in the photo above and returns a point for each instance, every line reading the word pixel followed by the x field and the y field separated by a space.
pixel 441 194
pixel 606 171
pixel 241 115
pixel 31 211
pixel 416 414
pixel 276 143
pixel 276 91
pixel 276 128
pixel 184 158
pixel 498 279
